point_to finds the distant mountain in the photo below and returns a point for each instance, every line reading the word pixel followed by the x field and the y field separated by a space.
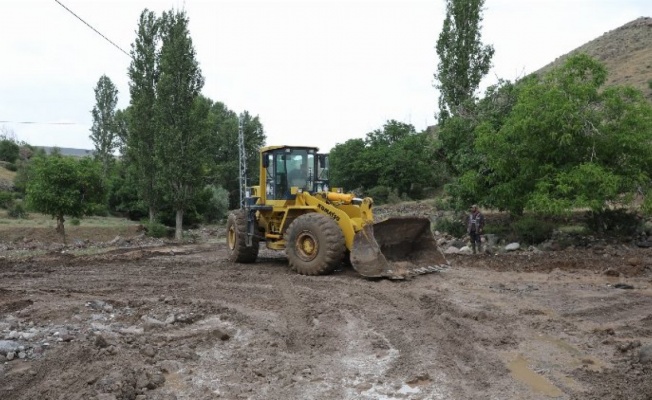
pixel 625 51
pixel 66 151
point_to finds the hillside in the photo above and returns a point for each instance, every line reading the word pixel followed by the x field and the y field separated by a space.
pixel 626 52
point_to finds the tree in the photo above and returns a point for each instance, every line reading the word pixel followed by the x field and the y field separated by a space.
pixel 140 137
pixel 569 143
pixel 60 186
pixel 395 157
pixel 463 59
pixel 103 131
pixel 224 126
pixel 9 150
pixel 181 115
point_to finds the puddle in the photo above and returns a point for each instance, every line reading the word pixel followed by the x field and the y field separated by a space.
pixel 521 372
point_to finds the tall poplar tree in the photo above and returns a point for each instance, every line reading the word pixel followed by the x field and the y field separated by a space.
pixel 142 133
pixel 463 59
pixel 181 115
pixel 104 131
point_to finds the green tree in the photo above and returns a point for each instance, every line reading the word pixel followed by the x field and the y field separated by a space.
pixel 463 59
pixel 103 131
pixel 224 125
pixel 140 137
pixel 568 143
pixel 181 115
pixel 64 186
pixel 9 150
pixel 395 157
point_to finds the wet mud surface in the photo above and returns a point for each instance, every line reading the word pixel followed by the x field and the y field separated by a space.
pixel 184 323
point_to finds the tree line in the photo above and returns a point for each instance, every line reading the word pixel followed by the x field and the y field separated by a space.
pixel 548 143
pixel 177 149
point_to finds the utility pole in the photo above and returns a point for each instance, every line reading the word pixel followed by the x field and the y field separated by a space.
pixel 243 161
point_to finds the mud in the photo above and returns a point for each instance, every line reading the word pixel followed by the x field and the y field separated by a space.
pixel 184 323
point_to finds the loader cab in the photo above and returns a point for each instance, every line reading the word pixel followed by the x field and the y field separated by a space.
pixel 285 168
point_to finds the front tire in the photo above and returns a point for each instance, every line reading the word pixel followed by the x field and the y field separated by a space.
pixel 315 244
pixel 236 234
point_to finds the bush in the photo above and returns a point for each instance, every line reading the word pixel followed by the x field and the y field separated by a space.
pixel 618 222
pixel 380 194
pixel 156 229
pixel 11 167
pixel 6 199
pixel 75 222
pixel 17 211
pixel 215 203
pixel 533 230
pixel 451 226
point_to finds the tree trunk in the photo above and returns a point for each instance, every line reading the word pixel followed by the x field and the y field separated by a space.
pixel 152 214
pixel 60 227
pixel 178 231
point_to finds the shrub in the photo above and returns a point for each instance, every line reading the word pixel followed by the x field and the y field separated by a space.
pixel 215 204
pixel 11 167
pixel 380 194
pixel 17 211
pixel 618 222
pixel 533 230
pixel 155 229
pixel 451 226
pixel 75 221
pixel 6 199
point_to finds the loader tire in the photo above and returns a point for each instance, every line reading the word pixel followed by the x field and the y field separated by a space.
pixel 315 244
pixel 236 231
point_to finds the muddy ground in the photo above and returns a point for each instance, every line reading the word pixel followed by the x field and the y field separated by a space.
pixel 182 322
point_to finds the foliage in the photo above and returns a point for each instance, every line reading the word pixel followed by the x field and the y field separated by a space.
pixel 140 134
pixel 214 204
pixel 155 229
pixel 380 194
pixel 532 229
pixel 9 150
pixel 17 211
pixel 123 197
pixel 615 221
pixel 103 131
pixel 566 144
pixel 452 226
pixel 60 186
pixel 181 148
pixel 6 199
pixel 463 59
pixel 395 157
pixel 224 165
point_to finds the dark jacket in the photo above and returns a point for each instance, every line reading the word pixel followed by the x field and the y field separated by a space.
pixel 475 223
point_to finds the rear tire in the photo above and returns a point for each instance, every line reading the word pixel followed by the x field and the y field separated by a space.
pixel 315 244
pixel 236 234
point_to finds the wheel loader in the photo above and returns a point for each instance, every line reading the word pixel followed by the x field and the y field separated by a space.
pixel 294 209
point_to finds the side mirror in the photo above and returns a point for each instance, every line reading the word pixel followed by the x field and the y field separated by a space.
pixel 322 160
pixel 265 160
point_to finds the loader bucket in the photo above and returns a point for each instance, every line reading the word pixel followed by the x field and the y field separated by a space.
pixel 396 248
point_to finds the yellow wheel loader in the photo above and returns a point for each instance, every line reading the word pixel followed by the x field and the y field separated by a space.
pixel 294 209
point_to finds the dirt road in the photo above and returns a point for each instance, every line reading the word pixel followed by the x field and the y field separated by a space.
pixel 184 323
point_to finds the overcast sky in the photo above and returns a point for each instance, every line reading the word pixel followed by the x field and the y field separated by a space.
pixel 316 72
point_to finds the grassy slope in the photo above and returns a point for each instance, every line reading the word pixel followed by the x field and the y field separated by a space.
pixel 626 52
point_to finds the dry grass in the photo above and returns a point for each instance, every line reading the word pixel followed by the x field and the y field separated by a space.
pixel 625 51
pixel 6 175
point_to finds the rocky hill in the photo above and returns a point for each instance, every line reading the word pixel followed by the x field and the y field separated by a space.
pixel 626 52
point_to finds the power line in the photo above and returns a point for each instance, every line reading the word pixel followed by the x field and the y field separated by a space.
pixel 96 31
pixel 40 123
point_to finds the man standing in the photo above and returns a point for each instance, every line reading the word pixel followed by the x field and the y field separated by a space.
pixel 474 228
